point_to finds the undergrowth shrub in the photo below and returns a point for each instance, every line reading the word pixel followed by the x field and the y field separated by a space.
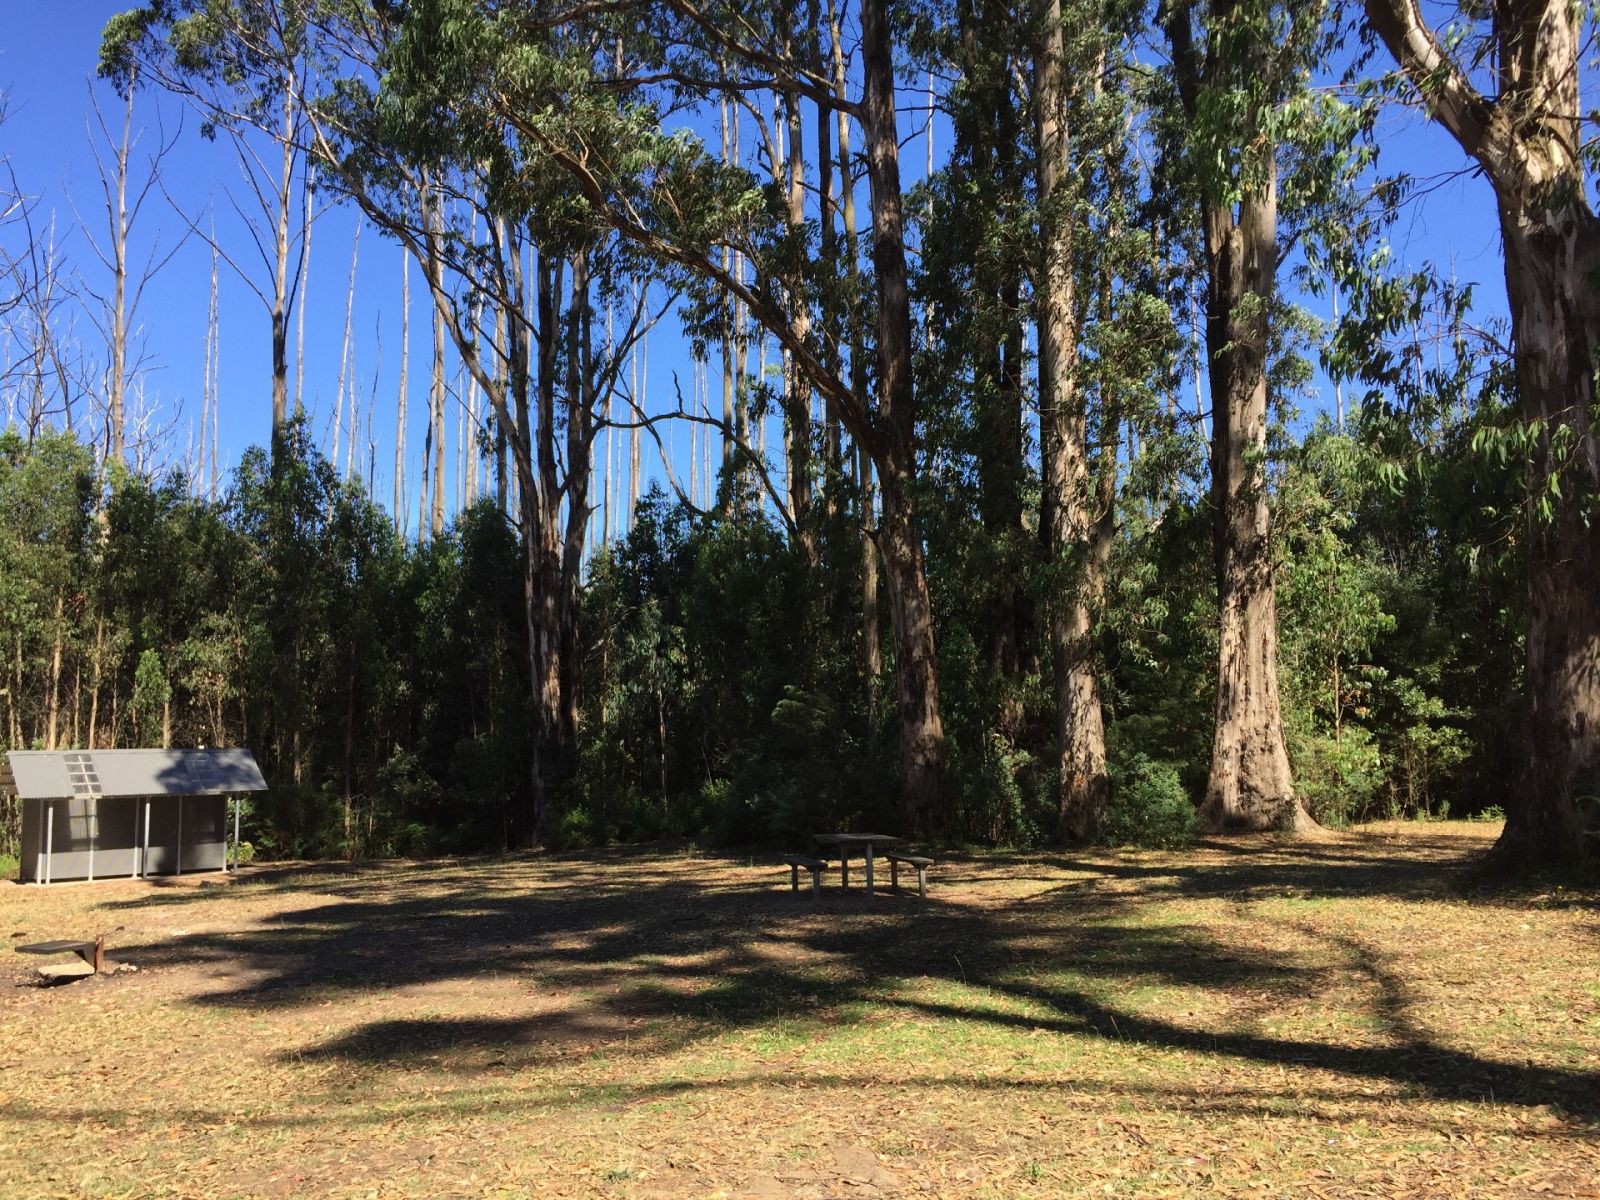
pixel 1148 804
pixel 1340 779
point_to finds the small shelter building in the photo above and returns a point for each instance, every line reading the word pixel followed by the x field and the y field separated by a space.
pixel 126 814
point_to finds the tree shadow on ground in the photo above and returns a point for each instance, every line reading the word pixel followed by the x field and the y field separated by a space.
pixel 646 954
pixel 1426 865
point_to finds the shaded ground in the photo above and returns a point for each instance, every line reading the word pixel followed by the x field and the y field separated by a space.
pixel 1339 1019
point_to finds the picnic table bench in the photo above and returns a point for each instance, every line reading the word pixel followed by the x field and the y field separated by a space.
pixel 918 861
pixel 815 865
pixel 92 953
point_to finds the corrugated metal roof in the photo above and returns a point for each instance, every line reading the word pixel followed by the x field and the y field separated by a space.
pixel 56 774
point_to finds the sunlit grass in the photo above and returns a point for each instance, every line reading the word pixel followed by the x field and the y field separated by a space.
pixel 1338 1019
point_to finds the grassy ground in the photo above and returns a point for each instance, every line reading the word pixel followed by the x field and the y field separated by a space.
pixel 1333 1020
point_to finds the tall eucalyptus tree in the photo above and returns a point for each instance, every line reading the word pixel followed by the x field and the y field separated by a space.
pixel 1509 91
pixel 1240 69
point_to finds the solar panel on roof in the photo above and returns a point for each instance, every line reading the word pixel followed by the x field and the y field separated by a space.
pixel 204 774
pixel 84 778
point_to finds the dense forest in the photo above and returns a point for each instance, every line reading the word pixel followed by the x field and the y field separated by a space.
pixel 1107 482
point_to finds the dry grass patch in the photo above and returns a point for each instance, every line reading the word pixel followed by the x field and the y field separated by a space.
pixel 1335 1019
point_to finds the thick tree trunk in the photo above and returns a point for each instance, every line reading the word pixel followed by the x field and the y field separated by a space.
pixel 915 668
pixel 1552 265
pixel 546 545
pixel 899 538
pixel 528 523
pixel 1526 142
pixel 1066 518
pixel 1250 786
pixel 985 171
pixel 871 631
pixel 581 402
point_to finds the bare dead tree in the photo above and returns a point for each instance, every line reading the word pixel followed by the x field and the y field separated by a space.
pixel 125 190
pixel 246 83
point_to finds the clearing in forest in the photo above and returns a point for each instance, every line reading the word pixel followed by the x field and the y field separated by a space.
pixel 1327 1020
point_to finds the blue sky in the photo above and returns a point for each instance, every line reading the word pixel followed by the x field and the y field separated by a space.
pixel 47 60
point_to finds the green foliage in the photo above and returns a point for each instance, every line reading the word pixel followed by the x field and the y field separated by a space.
pixel 1149 806
pixel 722 688
pixel 151 695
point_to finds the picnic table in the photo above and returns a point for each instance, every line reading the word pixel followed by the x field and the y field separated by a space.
pixel 846 842
pixel 93 954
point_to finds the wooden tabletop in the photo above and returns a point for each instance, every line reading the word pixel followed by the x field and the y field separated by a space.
pixel 854 839
pixel 55 947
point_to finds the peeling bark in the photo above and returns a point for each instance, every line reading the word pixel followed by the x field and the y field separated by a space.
pixel 1066 518
pixel 1249 786
pixel 1527 144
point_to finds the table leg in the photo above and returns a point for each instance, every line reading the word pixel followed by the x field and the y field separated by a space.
pixel 869 868
pixel 844 870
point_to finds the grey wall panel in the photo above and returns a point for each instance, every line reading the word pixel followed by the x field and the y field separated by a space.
pixel 112 828
pixel 161 855
pixel 204 825
pixel 117 824
pixel 73 864
pixel 115 864
pixel 206 856
pixel 32 838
